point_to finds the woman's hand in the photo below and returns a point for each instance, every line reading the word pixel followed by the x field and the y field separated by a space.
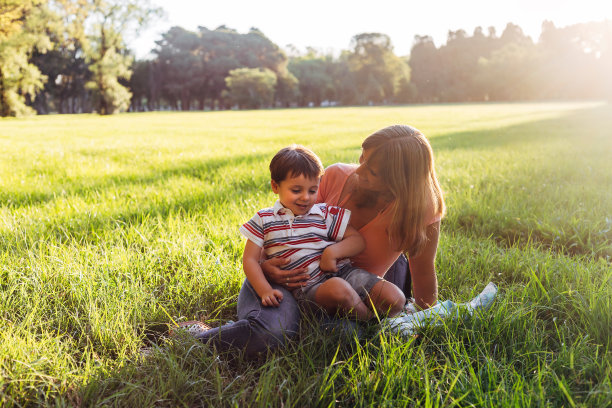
pixel 291 279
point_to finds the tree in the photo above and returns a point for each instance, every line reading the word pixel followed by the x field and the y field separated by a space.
pixel 286 88
pixel 377 70
pixel 508 74
pixel 180 66
pixel 64 64
pixel 315 82
pixel 426 69
pixel 460 56
pixel 194 66
pixel 575 60
pixel 344 88
pixel 251 88
pixel 141 86
pixel 106 50
pixel 67 73
pixel 406 91
pixel 21 33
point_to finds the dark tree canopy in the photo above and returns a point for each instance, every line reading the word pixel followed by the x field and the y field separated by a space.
pixel 74 59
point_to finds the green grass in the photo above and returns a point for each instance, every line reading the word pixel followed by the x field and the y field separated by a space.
pixel 109 225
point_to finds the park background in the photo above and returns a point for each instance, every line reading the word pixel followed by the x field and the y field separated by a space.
pixel 73 56
pixel 115 223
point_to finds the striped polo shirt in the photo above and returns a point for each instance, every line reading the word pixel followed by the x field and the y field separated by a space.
pixel 302 238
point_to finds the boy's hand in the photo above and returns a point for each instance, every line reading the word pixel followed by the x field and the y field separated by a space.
pixel 328 261
pixel 272 297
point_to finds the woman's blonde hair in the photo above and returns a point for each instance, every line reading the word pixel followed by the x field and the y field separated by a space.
pixel 406 165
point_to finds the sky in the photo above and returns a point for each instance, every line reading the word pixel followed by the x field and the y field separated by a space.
pixel 329 25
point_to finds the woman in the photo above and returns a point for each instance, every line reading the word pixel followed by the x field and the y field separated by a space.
pixel 396 204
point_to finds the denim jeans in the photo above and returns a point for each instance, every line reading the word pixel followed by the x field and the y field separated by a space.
pixel 258 327
pixel 265 327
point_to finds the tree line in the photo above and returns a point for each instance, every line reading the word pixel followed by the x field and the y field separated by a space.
pixel 69 56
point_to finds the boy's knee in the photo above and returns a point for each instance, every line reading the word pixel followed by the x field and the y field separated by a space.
pixel 342 292
pixel 391 299
pixel 396 303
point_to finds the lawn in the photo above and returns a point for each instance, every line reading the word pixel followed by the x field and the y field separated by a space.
pixel 111 226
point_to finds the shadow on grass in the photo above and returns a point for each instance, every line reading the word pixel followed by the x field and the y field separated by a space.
pixel 185 372
pixel 575 127
pixel 81 187
pixel 572 179
pixel 570 125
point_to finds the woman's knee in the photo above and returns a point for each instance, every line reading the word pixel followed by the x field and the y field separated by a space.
pixel 272 327
pixel 271 336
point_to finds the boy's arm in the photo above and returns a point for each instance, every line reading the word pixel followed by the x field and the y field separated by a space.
pixel 352 244
pixel 253 272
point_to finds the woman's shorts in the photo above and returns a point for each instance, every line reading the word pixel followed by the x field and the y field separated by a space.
pixel 360 280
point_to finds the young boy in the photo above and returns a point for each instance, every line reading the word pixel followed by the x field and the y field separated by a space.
pixel 313 236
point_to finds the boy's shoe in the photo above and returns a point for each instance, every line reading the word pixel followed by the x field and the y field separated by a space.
pixel 146 352
pixel 192 327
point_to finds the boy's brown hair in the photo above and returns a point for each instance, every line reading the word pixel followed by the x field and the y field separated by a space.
pixel 293 161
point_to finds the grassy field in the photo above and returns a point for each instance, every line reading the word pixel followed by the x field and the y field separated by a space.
pixel 109 225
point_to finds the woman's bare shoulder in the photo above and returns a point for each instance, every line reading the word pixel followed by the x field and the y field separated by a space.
pixel 340 169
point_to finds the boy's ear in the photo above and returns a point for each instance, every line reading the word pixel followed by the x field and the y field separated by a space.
pixel 274 186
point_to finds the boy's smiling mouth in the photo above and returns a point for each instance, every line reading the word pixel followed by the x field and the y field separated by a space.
pixel 303 207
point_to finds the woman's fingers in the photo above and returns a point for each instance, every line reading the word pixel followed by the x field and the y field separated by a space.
pixel 291 279
pixel 278 261
pixel 272 269
pixel 296 278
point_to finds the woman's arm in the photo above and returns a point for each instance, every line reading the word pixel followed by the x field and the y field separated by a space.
pixel 422 270
pixel 290 278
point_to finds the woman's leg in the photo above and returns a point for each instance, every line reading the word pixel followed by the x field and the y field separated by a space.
pixel 259 327
pixel 399 275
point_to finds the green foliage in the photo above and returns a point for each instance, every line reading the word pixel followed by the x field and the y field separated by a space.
pixel 193 67
pixel 251 88
pixel 22 32
pixel 110 224
pixel 89 64
pixel 286 88
pixel 106 51
pixel 566 63
pixel 64 63
pixel 316 81
pixel 142 87
pixel 109 95
pixel 377 70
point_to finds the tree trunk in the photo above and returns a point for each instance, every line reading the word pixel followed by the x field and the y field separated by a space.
pixel 4 108
pixel 103 105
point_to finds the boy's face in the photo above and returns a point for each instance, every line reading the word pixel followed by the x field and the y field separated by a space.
pixel 297 193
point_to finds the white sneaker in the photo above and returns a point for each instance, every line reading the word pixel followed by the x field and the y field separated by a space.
pixel 192 327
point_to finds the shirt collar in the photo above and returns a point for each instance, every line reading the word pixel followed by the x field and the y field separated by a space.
pixel 314 210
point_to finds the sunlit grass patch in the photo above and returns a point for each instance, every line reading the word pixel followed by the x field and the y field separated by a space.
pixel 112 226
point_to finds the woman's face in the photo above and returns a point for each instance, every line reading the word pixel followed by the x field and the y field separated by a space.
pixel 368 174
